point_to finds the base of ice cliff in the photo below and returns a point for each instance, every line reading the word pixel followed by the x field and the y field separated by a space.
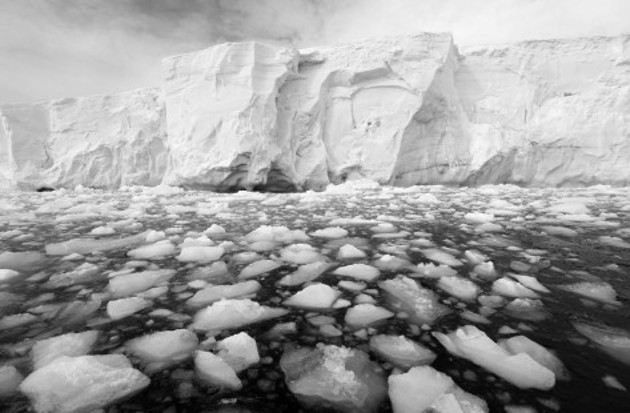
pixel 401 111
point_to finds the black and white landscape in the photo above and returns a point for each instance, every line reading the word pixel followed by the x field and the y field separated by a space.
pixel 397 223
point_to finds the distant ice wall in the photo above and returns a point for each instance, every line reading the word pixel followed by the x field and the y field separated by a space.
pixel 401 111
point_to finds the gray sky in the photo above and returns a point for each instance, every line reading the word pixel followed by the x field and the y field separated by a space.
pixel 59 48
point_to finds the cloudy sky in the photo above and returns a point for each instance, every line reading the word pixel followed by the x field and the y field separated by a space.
pixel 58 48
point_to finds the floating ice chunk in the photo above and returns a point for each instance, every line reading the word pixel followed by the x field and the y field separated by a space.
pixel 87 245
pixel 612 382
pixel 365 315
pixel 384 227
pixel 103 230
pixel 614 242
pixel 159 250
pixel 202 241
pixel 486 271
pixel 613 341
pixel 215 230
pixel 330 233
pixel 521 370
pixel 154 236
pixel 72 344
pixel 401 351
pixel 16 320
pixel 214 370
pixel 163 349
pixel 316 296
pixel 131 284
pixel 530 282
pixel 276 234
pixel 6 275
pixel 124 307
pixel 234 313
pixel 85 272
pixel 300 254
pixel 334 377
pixel 200 254
pixel 544 357
pixel 348 252
pixel 526 309
pixel 10 379
pixel 424 389
pixel 257 268
pixel 82 384
pixel 246 257
pixel 425 198
pixel 305 273
pixel 569 208
pixel 422 305
pixel 391 263
pixel 600 291
pixel 441 257
pixel 475 257
pixel 430 270
pixel 216 272
pixel 459 287
pixel 560 231
pixel 239 351
pixel 361 272
pixel 510 288
pixel 215 293
pixel 352 285
pixel 478 218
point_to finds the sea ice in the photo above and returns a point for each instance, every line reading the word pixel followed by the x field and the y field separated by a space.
pixel 257 268
pixel 521 370
pixel 71 344
pixel 156 251
pixel 130 284
pixel 441 257
pixel 613 341
pixel 163 349
pixel 305 273
pixel 300 254
pixel 124 307
pixel 10 379
pixel 316 297
pixel 213 370
pixel 362 272
pixel 422 305
pixel 239 351
pixel 82 384
pixel 424 389
pixel 330 233
pixel 349 251
pixel 334 377
pixel 510 288
pixel 365 315
pixel 234 313
pixel 459 287
pixel 213 293
pixel 401 351
pixel 200 254
pixel 598 290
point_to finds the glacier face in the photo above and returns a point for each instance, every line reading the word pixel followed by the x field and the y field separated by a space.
pixel 102 142
pixel 402 111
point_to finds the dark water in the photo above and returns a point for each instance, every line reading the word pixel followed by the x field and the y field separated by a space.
pixel 31 221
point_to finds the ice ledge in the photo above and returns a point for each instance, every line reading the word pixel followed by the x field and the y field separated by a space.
pixel 402 110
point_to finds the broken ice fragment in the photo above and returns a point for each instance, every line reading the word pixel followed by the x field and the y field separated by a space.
pixel 330 233
pixel 200 254
pixel 71 344
pixel 511 288
pixel 613 341
pixel 163 349
pixel 599 291
pixel 124 307
pixel 10 379
pixel 424 389
pixel 401 351
pixel 213 370
pixel 441 257
pixel 257 268
pixel 365 315
pixel 305 273
pixel 159 250
pixel 232 313
pixel 239 351
pixel 405 294
pixel 130 284
pixel 82 384
pixel 362 272
pixel 459 287
pixel 300 254
pixel 331 377
pixel 316 296
pixel 213 293
pixel 521 370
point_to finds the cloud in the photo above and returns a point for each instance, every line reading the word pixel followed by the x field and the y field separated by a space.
pixel 58 48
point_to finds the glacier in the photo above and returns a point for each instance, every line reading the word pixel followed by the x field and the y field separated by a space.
pixel 400 111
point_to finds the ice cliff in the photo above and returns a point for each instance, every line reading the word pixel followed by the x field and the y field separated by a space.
pixel 402 111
